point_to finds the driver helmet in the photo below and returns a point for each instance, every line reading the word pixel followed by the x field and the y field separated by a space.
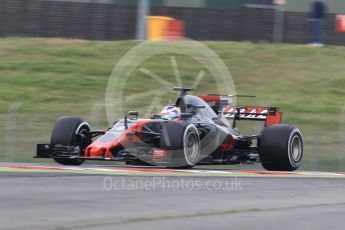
pixel 171 112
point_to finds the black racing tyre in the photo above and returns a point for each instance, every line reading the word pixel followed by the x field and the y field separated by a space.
pixel 281 148
pixel 65 132
pixel 183 142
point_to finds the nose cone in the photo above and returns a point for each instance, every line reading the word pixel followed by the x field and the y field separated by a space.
pixel 96 151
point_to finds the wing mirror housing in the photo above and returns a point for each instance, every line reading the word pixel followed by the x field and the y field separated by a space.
pixel 133 114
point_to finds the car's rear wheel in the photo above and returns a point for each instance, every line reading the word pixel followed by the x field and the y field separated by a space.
pixel 183 142
pixel 68 131
pixel 281 148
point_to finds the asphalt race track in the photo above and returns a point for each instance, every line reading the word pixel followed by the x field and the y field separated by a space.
pixel 49 196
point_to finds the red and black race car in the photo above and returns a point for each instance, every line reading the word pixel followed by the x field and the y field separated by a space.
pixel 204 133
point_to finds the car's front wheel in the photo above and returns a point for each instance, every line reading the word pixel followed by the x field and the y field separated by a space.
pixel 183 142
pixel 68 132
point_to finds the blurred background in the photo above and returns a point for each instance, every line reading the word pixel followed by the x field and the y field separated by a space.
pixel 237 20
pixel 56 57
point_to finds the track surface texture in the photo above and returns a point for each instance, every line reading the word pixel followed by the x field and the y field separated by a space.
pixel 48 196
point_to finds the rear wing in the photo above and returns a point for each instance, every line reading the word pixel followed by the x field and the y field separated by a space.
pixel 222 104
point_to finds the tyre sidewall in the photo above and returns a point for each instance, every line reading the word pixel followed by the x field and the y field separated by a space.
pixel 191 129
pixel 295 164
pixel 174 138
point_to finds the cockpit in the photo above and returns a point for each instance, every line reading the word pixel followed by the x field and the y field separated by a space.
pixel 190 104
pixel 193 109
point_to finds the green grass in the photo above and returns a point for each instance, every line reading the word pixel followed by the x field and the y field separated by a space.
pixel 55 77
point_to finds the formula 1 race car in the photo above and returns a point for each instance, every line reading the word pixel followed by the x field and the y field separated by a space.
pixel 202 130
